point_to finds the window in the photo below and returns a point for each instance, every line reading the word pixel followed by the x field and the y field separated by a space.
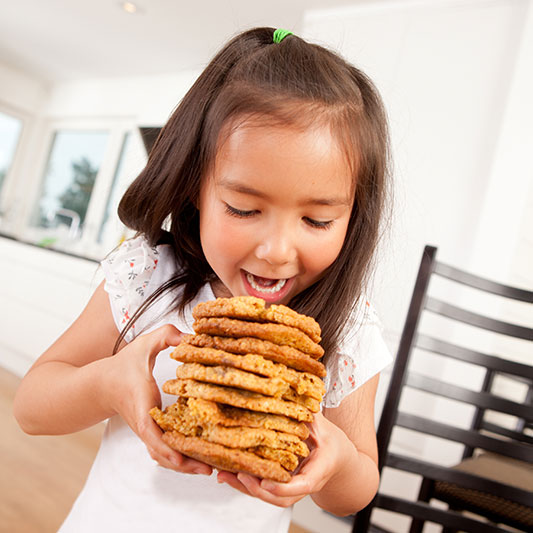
pixel 65 196
pixel 67 187
pixel 120 176
pixel 10 128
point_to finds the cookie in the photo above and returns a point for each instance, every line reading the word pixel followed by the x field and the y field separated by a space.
pixel 251 308
pixel 237 398
pixel 226 415
pixel 232 437
pixel 276 333
pixel 308 402
pixel 243 437
pixel 198 412
pixel 280 354
pixel 232 377
pixel 286 459
pixel 303 383
pixel 224 458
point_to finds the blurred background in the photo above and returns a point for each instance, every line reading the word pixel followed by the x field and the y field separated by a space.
pixel 84 87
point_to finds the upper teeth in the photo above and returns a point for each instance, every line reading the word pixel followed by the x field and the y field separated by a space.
pixel 273 288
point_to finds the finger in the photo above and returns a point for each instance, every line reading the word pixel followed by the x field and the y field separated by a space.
pixel 231 479
pixel 180 463
pixel 165 455
pixel 309 479
pixel 163 337
pixel 192 466
pixel 299 486
pixel 254 487
pixel 161 460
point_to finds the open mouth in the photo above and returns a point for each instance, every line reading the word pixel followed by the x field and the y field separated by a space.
pixel 265 285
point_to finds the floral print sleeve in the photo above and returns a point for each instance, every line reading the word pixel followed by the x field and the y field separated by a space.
pixel 128 271
pixel 362 354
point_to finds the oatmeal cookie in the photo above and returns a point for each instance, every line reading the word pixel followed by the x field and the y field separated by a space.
pixel 225 415
pixel 276 333
pixel 237 398
pixel 303 383
pixel 251 308
pixel 232 377
pixel 280 354
pixel 198 412
pixel 224 458
pixel 232 437
pixel 286 459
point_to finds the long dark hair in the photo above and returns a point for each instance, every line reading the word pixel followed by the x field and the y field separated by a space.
pixel 292 82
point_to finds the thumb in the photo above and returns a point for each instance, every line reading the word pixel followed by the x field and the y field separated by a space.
pixel 161 338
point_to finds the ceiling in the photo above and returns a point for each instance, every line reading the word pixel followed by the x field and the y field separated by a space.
pixel 56 40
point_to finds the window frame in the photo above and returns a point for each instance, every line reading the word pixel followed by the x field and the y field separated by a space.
pixel 6 191
pixel 26 190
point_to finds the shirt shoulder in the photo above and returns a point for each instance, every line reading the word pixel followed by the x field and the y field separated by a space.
pixel 132 272
pixel 361 354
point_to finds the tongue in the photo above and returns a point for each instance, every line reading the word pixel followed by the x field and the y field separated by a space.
pixel 265 282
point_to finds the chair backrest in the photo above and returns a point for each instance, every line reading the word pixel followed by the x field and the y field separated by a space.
pixel 477 427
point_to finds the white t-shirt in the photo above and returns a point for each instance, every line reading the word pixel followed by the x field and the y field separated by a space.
pixel 126 490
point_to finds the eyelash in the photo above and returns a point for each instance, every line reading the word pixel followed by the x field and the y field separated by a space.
pixel 318 224
pixel 247 214
pixel 238 213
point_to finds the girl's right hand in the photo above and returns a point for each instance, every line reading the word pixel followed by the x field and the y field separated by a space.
pixel 133 392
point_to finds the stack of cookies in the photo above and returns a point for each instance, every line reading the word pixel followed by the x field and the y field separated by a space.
pixel 250 378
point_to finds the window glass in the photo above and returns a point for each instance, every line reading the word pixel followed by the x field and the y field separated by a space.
pixel 10 128
pixel 70 175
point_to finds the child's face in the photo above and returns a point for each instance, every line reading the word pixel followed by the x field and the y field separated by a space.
pixel 274 210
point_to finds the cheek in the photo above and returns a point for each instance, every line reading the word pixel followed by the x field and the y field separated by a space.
pixel 221 241
pixel 324 253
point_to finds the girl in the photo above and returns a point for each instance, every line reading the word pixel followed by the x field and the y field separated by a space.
pixel 268 180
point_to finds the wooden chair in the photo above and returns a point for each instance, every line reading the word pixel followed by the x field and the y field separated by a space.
pixel 494 479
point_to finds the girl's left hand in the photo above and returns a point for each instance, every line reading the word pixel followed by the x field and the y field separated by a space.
pixel 327 443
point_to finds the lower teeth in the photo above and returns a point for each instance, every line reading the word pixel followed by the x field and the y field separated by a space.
pixel 272 289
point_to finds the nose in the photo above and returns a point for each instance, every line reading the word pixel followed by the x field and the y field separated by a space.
pixel 277 244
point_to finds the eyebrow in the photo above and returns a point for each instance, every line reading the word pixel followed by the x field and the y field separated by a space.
pixel 245 189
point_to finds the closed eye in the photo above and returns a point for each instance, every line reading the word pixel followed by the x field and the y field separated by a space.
pixel 233 211
pixel 318 223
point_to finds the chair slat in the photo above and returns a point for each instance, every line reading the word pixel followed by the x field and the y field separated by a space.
pixel 515 443
pixel 479 399
pixel 450 475
pixel 515 435
pixel 432 514
pixel 474 319
pixel 481 283
pixel 470 438
pixel 432 344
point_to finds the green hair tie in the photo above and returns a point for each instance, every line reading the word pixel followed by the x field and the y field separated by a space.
pixel 280 34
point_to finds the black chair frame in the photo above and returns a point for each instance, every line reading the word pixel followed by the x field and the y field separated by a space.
pixel 517 443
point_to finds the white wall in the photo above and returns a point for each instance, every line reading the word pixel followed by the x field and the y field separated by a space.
pixel 452 74
pixel 456 79
pixel 21 91
pixel 149 100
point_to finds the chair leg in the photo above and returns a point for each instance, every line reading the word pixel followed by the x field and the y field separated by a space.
pixel 424 495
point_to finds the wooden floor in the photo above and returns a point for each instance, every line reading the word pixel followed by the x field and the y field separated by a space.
pixel 40 477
